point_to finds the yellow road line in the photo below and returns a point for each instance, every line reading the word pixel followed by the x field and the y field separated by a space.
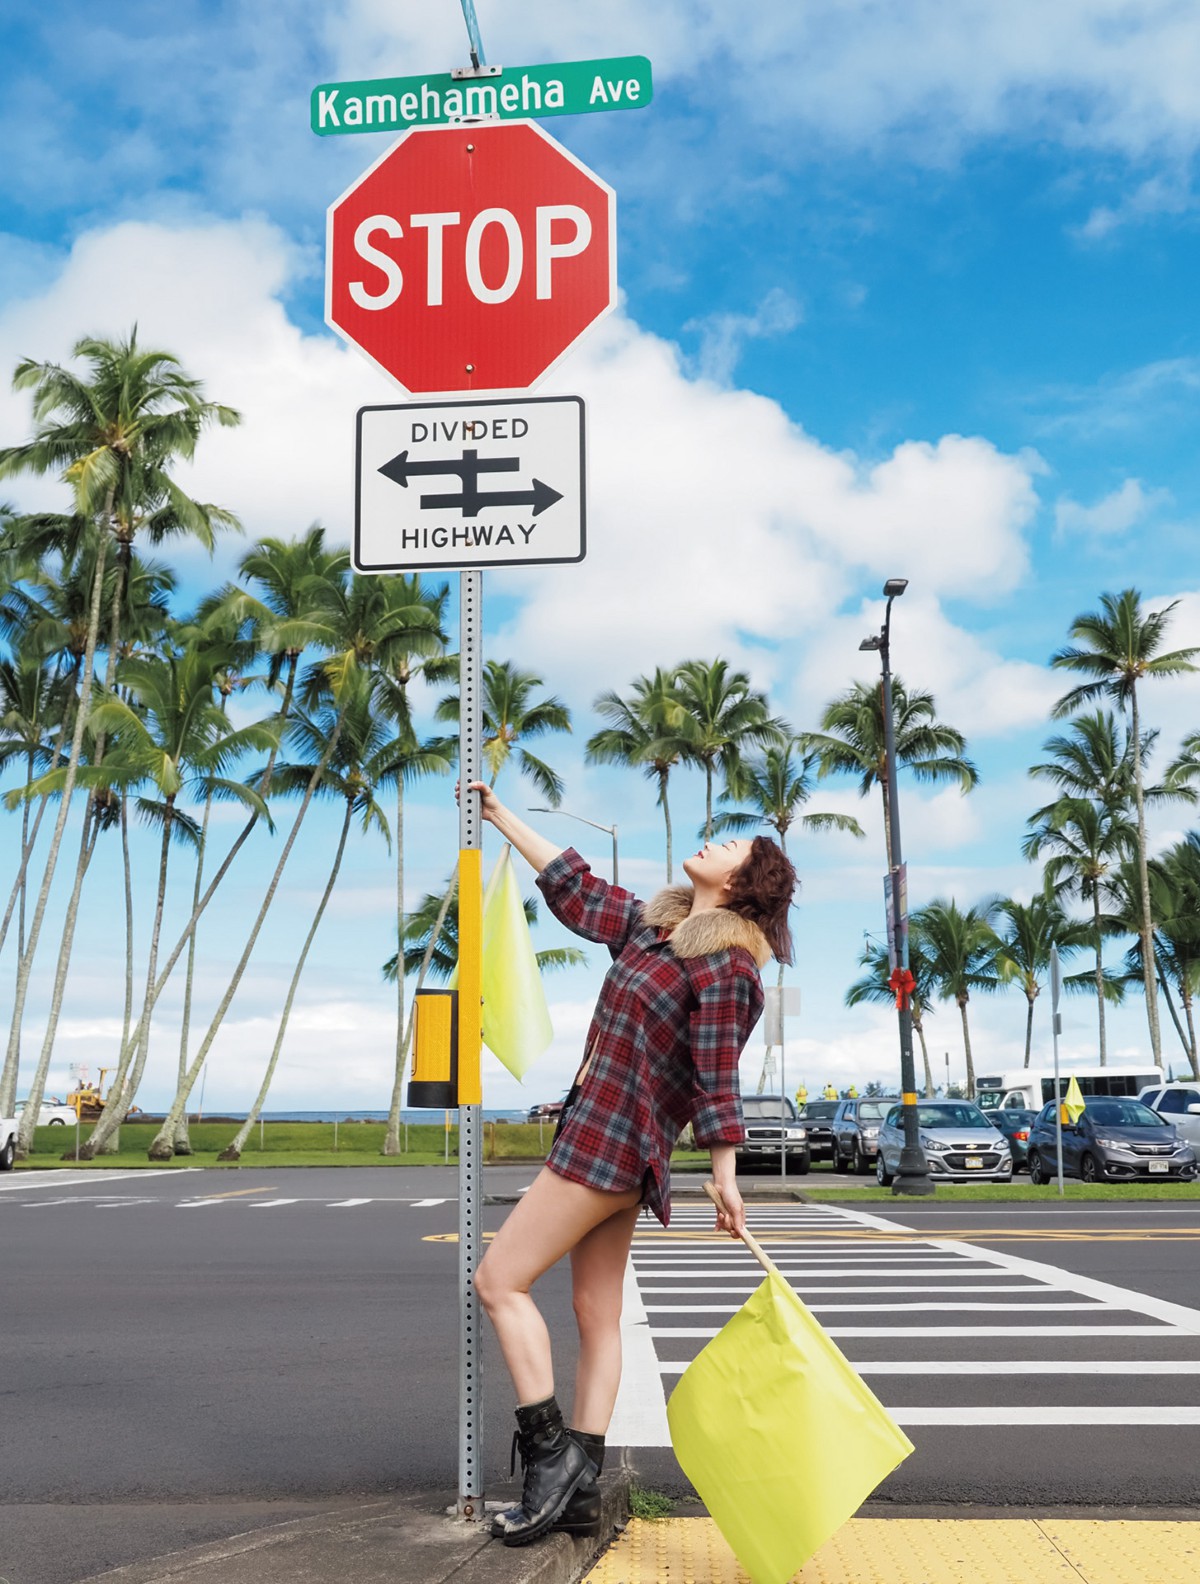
pixel 236 1193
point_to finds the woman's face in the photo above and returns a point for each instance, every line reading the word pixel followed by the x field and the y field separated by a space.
pixel 715 865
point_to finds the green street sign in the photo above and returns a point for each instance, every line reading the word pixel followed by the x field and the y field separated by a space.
pixel 509 93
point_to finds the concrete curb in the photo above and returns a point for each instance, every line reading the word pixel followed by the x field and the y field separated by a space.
pixel 389 1540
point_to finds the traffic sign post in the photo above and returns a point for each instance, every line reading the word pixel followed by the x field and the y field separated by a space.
pixel 471 259
pixel 447 485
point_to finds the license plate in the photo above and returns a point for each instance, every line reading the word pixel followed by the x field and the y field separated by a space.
pixel 974 1162
pixel 1160 1166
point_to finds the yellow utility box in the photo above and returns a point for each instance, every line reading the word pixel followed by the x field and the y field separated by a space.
pixel 434 1081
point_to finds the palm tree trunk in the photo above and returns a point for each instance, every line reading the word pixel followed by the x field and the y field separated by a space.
pixel 127 870
pixel 662 798
pixel 8 1077
pixel 1170 1000
pixel 962 1007
pixel 240 840
pixel 129 1072
pixel 918 1024
pixel 234 1150
pixel 18 890
pixel 161 1146
pixel 391 1141
pixel 1147 931
pixel 1185 995
pixel 25 969
pixel 37 1085
pixel 1029 1026
pixel 1099 971
pixel 24 867
pixel 182 1143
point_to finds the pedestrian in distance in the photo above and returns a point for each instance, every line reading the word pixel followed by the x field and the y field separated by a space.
pixel 675 1011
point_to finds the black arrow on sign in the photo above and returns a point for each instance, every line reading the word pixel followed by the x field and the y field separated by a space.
pixel 468 467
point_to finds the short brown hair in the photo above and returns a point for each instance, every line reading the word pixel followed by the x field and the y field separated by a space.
pixel 762 889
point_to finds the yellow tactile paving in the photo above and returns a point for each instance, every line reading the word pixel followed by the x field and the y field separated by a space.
pixel 922 1551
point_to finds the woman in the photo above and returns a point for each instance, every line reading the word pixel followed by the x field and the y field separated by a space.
pixel 674 1013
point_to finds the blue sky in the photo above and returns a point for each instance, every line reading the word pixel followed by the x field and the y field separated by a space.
pixel 907 290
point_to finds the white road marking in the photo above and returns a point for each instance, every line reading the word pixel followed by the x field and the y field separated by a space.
pixel 1008 1367
pixel 640 1414
pixel 875 1288
pixel 421 1204
pixel 827 1271
pixel 1046 1416
pixel 344 1204
pixel 71 1178
pixel 963 1331
pixel 269 1204
pixel 961 1307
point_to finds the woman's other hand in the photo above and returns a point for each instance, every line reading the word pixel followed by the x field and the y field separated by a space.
pixel 732 1218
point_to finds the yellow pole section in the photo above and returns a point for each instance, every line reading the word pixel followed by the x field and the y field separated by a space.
pixel 470 975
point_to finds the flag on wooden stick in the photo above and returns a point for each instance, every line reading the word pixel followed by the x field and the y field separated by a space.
pixel 516 1019
pixel 781 1438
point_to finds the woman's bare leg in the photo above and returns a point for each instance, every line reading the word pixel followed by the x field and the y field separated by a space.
pixel 598 1280
pixel 549 1221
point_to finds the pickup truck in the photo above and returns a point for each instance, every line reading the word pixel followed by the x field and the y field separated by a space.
pixel 771 1127
pixel 8 1142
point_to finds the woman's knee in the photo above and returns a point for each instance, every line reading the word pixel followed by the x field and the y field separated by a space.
pixel 596 1312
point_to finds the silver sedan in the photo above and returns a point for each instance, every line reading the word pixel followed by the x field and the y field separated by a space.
pixel 958 1141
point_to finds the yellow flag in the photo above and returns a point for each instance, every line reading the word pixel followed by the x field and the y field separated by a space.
pixel 1073 1103
pixel 782 1440
pixel 516 1019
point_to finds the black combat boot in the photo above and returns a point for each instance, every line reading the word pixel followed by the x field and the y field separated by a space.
pixel 581 1515
pixel 555 1466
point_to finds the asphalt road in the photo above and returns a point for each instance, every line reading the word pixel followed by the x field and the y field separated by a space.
pixel 188 1355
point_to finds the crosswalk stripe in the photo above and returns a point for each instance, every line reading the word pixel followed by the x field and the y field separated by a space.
pixel 959 1307
pixel 962 1331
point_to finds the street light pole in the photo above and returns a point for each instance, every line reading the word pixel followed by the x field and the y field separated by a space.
pixel 913 1176
pixel 610 830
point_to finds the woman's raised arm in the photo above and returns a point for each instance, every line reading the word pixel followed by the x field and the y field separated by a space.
pixel 535 849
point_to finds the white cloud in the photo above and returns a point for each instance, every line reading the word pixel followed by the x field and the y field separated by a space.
pixel 722 335
pixel 1116 513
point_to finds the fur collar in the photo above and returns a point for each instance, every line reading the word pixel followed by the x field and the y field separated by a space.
pixel 713 930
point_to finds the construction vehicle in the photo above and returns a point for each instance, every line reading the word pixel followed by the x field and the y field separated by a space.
pixel 88 1099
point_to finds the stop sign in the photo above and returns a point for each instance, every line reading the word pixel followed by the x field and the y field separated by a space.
pixel 471 258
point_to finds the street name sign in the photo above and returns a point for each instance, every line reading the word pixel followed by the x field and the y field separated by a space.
pixel 448 486
pixel 393 104
pixel 472 258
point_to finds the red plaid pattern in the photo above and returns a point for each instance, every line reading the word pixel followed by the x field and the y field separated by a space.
pixel 665 1040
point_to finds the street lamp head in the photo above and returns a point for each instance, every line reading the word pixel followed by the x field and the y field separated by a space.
pixel 895 587
pixel 872 643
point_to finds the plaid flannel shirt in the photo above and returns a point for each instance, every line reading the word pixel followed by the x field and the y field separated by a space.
pixel 664 1042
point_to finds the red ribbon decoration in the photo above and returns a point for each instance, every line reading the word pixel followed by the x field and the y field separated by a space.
pixel 903 983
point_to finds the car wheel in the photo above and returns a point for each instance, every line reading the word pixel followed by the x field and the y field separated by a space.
pixel 840 1163
pixel 741 1163
pixel 882 1176
pixel 8 1155
pixel 1089 1168
pixel 802 1163
pixel 56 1122
pixel 858 1163
pixel 1037 1172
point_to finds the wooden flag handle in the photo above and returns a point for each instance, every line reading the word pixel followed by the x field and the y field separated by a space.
pixel 751 1242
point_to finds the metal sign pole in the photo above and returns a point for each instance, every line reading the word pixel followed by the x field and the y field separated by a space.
pixel 1055 993
pixel 470 1126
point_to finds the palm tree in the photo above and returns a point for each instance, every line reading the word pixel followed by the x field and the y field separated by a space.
pixel 728 719
pixel 852 742
pixel 874 987
pixel 171 735
pixel 425 926
pixel 114 436
pixel 512 717
pixel 961 947
pixel 1175 897
pixel 363 628
pixel 1029 931
pixel 1115 648
pixel 776 787
pixel 647 730
pixel 1082 843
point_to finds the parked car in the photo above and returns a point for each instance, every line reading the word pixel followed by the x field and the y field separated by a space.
pixel 856 1126
pixel 959 1143
pixel 1179 1104
pixel 1113 1141
pixel 51 1113
pixel 550 1111
pixel 8 1143
pixel 816 1117
pixel 771 1127
pixel 1015 1125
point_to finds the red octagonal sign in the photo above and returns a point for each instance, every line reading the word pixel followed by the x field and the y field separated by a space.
pixel 471 258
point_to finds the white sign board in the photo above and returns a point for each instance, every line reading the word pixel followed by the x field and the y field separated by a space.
pixel 448 485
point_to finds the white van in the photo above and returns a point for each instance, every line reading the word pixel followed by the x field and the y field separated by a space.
pixel 1179 1104
pixel 1030 1088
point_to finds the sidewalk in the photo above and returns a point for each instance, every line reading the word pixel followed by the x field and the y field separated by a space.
pixel 390 1540
pixel 925 1551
